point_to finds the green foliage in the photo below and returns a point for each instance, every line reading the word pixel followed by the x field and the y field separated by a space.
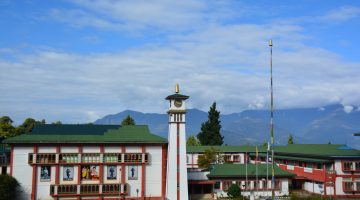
pixel 234 191
pixel 128 120
pixel 192 141
pixel 291 139
pixel 6 127
pixel 8 186
pixel 210 156
pixel 57 122
pixel 210 130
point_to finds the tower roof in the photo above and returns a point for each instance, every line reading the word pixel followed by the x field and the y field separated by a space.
pixel 177 96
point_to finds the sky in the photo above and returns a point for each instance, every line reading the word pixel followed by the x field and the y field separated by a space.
pixel 76 61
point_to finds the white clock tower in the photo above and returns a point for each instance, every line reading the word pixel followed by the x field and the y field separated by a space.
pixel 176 179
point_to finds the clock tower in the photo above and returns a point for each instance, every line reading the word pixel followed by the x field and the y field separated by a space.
pixel 176 179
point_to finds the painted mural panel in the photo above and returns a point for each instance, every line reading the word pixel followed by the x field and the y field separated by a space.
pixel 68 173
pixel 133 173
pixel 89 172
pixel 111 172
pixel 45 173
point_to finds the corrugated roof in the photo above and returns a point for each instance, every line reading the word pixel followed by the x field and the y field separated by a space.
pixel 229 149
pixel 317 150
pixel 239 171
pixel 87 134
pixel 295 158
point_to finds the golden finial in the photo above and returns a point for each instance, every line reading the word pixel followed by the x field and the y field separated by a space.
pixel 270 43
pixel 177 88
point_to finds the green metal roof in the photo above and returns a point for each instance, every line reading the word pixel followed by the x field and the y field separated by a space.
pixel 317 150
pixel 303 159
pixel 239 171
pixel 177 96
pixel 229 149
pixel 50 133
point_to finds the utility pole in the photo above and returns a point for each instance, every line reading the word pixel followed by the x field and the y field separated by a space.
pixel 272 127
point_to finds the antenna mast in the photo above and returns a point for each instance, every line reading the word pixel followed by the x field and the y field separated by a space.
pixel 272 127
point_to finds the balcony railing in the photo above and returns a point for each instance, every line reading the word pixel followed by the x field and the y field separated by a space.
pixel 88 158
pixel 88 189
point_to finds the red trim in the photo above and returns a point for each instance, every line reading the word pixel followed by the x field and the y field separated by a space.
pixel 34 177
pixel 101 171
pixel 123 150
pixel 80 150
pixel 11 159
pixel 143 174
pixel 163 171
pixel 334 180
pixel 325 174
pixel 57 166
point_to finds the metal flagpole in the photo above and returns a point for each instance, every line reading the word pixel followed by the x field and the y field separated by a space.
pixel 267 164
pixel 272 127
pixel 256 167
pixel 246 173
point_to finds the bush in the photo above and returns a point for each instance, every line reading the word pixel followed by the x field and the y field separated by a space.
pixel 234 191
pixel 8 186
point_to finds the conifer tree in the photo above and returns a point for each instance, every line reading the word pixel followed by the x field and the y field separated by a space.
pixel 291 139
pixel 210 130
pixel 192 141
pixel 128 120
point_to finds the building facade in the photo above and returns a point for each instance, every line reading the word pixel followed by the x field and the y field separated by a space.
pixel 89 162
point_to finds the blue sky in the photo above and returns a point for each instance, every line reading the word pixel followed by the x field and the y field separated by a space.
pixel 76 61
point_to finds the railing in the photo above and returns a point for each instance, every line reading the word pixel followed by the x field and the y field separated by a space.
pixel 88 158
pixel 88 189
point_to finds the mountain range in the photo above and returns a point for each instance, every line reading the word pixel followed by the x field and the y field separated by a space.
pixel 326 124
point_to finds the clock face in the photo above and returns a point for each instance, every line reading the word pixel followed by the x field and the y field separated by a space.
pixel 178 103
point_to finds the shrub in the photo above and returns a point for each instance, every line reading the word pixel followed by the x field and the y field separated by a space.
pixel 8 186
pixel 234 191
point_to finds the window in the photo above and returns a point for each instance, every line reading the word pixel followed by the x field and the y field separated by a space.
pixel 319 166
pixel 90 157
pixel 277 184
pixel 217 185
pixel 112 157
pixel 89 189
pixel 236 158
pixel 67 189
pixel 227 158
pixel 256 184
pixel 358 186
pixel 357 166
pixel 247 185
pixel 68 158
pixel 265 184
pixel 348 186
pixel 347 166
pixel 133 157
pixel 45 158
pixel 308 165
pixel 111 188
pixel 226 185
pixel 30 159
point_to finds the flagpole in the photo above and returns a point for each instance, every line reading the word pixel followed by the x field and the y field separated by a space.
pixel 256 166
pixel 272 126
pixel 246 173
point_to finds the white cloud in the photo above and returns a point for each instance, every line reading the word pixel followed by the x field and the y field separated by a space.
pixel 348 109
pixel 343 13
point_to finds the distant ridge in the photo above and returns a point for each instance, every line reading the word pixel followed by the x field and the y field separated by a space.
pixel 308 125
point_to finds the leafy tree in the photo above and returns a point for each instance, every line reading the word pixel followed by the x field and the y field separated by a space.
pixel 128 120
pixel 57 122
pixel 192 141
pixel 6 127
pixel 291 139
pixel 234 191
pixel 210 130
pixel 28 124
pixel 8 186
pixel 211 156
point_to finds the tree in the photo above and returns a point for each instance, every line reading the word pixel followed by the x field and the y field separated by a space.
pixel 210 130
pixel 57 122
pixel 234 191
pixel 128 120
pixel 6 127
pixel 211 156
pixel 290 140
pixel 28 124
pixel 192 141
pixel 8 186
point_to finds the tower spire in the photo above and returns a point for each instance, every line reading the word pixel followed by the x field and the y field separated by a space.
pixel 177 88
